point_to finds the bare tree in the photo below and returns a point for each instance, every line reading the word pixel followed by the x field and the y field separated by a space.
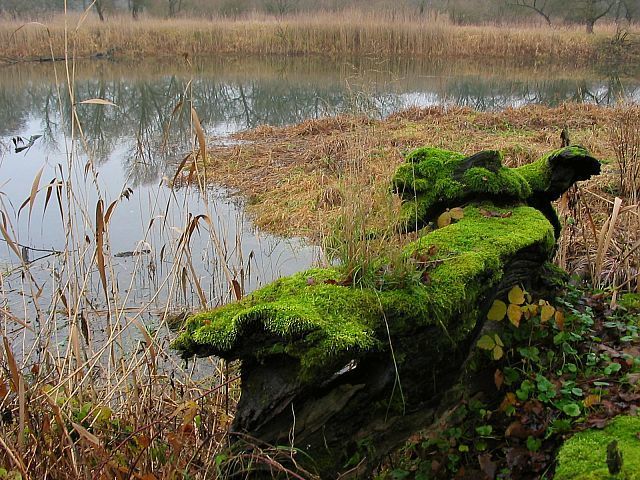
pixel 593 10
pixel 538 6
pixel 136 7
pixel 280 7
pixel 174 7
pixel 627 10
pixel 99 5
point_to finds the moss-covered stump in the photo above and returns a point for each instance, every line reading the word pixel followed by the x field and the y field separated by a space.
pixel 344 373
pixel 593 455
pixel 433 179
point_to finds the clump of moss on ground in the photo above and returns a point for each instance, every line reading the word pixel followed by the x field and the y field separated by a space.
pixel 584 456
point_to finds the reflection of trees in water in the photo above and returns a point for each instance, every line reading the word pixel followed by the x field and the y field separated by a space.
pixel 482 94
pixel 151 123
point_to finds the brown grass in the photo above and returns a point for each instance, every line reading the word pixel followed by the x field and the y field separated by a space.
pixel 322 34
pixel 297 179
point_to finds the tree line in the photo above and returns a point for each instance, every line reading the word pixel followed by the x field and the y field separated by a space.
pixel 551 12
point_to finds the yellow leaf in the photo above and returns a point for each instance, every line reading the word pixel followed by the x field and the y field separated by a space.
pixel 498 340
pixel 497 311
pixel 486 342
pixel 514 312
pixel 190 413
pixel 546 313
pixel 498 352
pixel 516 295
pixel 591 400
pixel 508 401
pixel 444 220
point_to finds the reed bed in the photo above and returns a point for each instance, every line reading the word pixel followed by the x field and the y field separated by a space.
pixel 88 385
pixel 298 179
pixel 353 33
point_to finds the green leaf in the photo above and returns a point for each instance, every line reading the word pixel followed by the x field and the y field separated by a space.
pixel 571 409
pixel 533 444
pixel 399 474
pixel 612 368
pixel 484 430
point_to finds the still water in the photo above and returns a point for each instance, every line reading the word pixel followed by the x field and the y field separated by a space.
pixel 128 152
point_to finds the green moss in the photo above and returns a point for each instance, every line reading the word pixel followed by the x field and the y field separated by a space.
pixel 321 323
pixel 584 456
pixel 539 173
pixel 432 179
pixel 311 316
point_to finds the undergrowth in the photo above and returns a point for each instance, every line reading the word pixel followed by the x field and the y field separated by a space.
pixel 554 368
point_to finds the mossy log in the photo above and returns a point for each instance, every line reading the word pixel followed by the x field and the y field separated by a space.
pixel 344 373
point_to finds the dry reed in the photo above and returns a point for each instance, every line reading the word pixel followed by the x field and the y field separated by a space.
pixel 88 385
pixel 325 34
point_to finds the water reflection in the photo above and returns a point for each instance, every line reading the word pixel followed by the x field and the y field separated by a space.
pixel 152 116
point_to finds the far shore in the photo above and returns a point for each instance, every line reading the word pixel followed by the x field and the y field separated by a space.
pixel 325 34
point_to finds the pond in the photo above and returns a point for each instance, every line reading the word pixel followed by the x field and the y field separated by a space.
pixel 181 248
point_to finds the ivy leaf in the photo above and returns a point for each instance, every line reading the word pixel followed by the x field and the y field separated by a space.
pixel 497 311
pixel 514 312
pixel 571 409
pixel 516 295
pixel 486 342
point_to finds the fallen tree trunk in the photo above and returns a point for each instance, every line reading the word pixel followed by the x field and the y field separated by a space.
pixel 341 373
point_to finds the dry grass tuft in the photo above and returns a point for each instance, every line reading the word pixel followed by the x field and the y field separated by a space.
pixel 306 179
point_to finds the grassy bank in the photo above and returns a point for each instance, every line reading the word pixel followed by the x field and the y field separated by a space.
pixel 306 179
pixel 325 34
